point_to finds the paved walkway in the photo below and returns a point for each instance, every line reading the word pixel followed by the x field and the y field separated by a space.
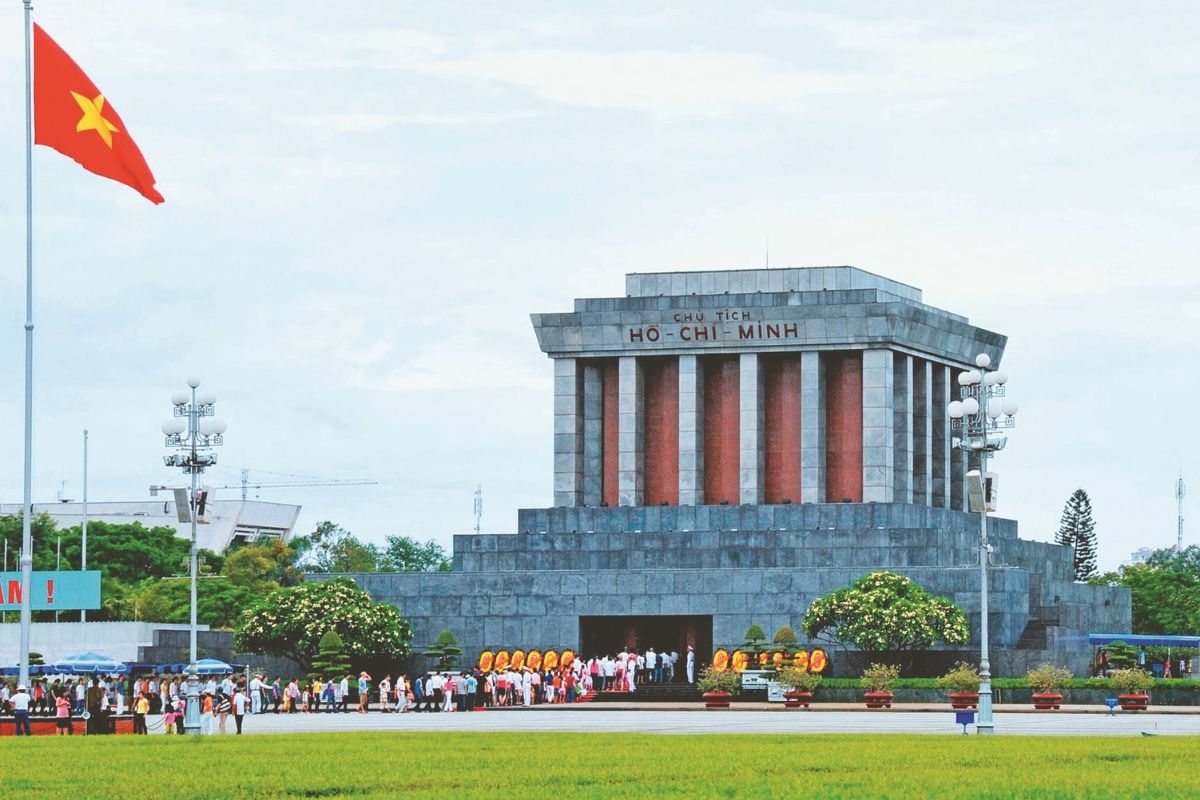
pixel 594 720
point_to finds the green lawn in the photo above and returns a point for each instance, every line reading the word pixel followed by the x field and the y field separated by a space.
pixel 610 766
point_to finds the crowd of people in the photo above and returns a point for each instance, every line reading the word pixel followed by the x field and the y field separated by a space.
pixel 66 698
pixel 104 697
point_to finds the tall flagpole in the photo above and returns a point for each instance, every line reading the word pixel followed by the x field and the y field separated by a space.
pixel 26 530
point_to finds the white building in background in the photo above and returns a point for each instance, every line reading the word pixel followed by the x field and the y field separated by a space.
pixel 224 522
pixel 1140 556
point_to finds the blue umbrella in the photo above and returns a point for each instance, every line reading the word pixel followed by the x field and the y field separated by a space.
pixel 212 666
pixel 88 663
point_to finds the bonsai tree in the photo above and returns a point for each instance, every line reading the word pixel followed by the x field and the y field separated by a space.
pixel 1131 681
pixel 1048 678
pixel 713 681
pixel 785 637
pixel 756 640
pixel 880 677
pixel 884 612
pixel 331 659
pixel 798 679
pixel 445 650
pixel 1120 655
pixel 962 677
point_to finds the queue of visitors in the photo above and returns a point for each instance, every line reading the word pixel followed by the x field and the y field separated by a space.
pixel 104 697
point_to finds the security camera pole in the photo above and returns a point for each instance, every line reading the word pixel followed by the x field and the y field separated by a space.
pixel 193 430
pixel 979 412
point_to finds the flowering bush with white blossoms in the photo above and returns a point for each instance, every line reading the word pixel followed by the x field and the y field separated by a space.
pixel 291 621
pixel 883 611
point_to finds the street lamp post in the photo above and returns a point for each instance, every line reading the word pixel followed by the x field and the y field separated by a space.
pixel 194 431
pixel 983 409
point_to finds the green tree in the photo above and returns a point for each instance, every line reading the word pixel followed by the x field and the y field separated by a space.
pixel 445 650
pixel 291 621
pixel 785 636
pixel 331 660
pixel 219 603
pixel 250 566
pixel 1164 592
pixel 885 612
pixel 332 548
pixel 406 554
pixel 1077 530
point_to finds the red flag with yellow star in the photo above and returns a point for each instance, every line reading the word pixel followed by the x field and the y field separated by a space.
pixel 71 116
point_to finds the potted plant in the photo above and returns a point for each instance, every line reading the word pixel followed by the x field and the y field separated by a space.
pixel 961 683
pixel 1046 679
pixel 718 688
pixel 878 679
pixel 800 683
pixel 1131 685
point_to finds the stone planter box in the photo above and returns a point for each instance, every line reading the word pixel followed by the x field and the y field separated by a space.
pixel 1047 700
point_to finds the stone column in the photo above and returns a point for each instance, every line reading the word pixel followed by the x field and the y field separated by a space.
pixel 923 408
pixel 691 431
pixel 958 458
pixel 812 428
pixel 750 412
pixel 902 427
pixel 593 435
pixel 630 441
pixel 939 488
pixel 878 442
pixel 568 432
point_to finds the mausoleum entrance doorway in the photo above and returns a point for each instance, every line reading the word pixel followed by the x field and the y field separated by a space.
pixel 611 634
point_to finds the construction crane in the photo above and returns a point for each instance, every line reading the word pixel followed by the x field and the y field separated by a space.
pixel 1180 493
pixel 291 481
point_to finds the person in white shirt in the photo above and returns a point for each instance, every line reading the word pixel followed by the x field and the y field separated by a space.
pixel 20 708
pixel 342 696
pixel 240 701
pixel 401 694
pixel 691 664
pixel 385 694
pixel 526 688
pixel 255 698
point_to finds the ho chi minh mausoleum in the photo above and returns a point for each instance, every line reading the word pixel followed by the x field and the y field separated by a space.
pixel 730 445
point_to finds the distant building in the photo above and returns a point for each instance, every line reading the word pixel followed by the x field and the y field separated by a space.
pixel 1140 556
pixel 224 522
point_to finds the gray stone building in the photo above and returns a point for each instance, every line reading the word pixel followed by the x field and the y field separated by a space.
pixel 730 445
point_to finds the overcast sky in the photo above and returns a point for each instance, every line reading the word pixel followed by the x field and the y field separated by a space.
pixel 364 202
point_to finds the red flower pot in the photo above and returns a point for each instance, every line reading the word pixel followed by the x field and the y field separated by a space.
pixel 879 699
pixel 1047 700
pixel 797 699
pixel 717 699
pixel 1134 702
pixel 962 700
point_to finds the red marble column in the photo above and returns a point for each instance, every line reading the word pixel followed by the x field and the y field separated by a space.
pixel 843 426
pixel 722 436
pixel 781 381
pixel 661 382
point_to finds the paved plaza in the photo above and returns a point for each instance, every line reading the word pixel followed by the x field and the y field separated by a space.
pixel 699 721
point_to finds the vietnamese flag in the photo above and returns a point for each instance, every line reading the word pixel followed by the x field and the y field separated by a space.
pixel 71 116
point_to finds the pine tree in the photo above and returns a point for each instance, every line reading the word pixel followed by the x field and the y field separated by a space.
pixel 1077 530
pixel 331 660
